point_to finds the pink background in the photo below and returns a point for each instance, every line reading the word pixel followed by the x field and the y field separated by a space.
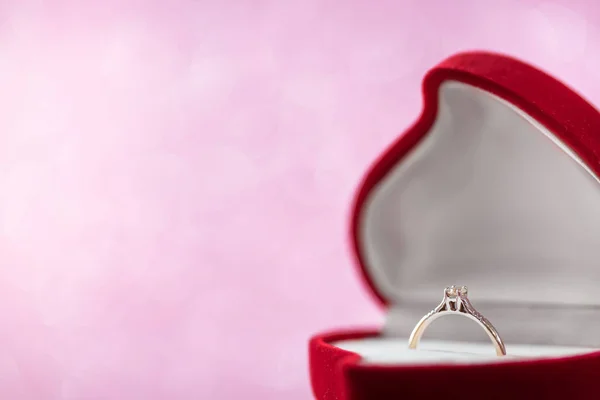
pixel 176 176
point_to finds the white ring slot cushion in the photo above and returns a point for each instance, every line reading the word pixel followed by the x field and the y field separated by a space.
pixel 492 200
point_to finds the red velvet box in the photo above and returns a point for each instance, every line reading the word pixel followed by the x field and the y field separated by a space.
pixel 495 186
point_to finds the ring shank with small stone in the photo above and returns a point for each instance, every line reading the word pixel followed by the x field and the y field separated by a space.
pixel 456 302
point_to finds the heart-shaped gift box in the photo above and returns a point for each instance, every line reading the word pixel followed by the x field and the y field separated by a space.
pixel 495 186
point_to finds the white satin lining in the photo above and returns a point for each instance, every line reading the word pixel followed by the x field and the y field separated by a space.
pixel 395 351
pixel 492 200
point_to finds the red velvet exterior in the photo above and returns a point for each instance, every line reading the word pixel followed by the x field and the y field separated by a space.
pixel 338 374
pixel 558 108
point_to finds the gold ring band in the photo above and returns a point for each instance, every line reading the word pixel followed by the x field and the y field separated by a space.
pixel 456 302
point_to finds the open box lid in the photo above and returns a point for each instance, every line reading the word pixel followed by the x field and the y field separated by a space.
pixel 496 187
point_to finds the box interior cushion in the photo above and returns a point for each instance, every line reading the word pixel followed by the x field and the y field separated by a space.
pixel 490 199
pixel 386 351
